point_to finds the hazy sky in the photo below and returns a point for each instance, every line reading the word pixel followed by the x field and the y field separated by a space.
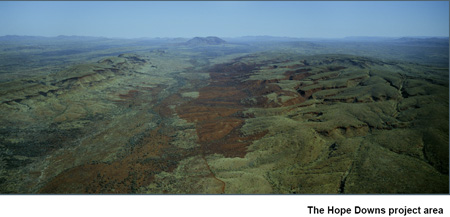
pixel 225 18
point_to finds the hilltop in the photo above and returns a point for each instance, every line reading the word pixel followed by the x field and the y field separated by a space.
pixel 210 40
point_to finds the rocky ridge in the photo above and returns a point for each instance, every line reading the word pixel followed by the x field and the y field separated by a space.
pixel 261 123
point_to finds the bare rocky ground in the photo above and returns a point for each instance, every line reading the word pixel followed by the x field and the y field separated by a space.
pixel 182 122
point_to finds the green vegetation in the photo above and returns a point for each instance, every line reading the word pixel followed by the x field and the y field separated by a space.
pixel 98 115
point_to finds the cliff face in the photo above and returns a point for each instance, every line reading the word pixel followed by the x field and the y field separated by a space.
pixel 200 41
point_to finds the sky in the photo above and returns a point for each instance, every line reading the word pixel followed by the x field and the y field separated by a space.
pixel 302 19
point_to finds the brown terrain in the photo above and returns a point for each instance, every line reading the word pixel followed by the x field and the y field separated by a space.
pixel 259 124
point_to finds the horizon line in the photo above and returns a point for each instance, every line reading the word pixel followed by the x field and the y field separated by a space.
pixel 187 37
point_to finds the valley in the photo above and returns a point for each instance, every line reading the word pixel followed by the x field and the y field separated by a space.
pixel 214 116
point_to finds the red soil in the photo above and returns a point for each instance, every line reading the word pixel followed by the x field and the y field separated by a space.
pixel 217 114
pixel 125 175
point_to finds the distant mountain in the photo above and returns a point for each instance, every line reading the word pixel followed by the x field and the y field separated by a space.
pixel 422 40
pixel 262 39
pixel 368 38
pixel 431 41
pixel 200 41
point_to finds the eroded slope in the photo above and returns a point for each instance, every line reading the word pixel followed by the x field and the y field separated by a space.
pixel 261 123
pixel 325 124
